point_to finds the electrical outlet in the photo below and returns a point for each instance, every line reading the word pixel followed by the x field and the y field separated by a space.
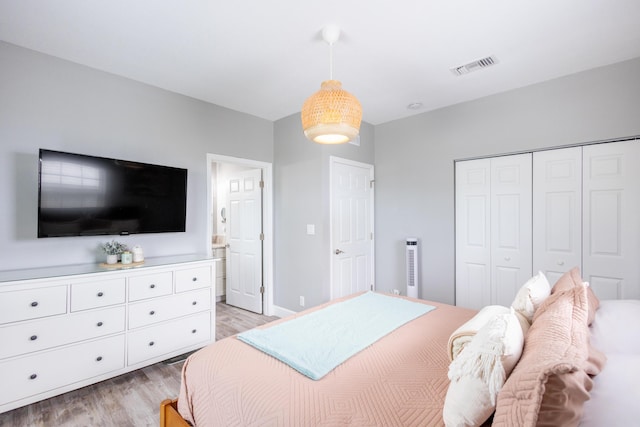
pixel 301 301
pixel 396 292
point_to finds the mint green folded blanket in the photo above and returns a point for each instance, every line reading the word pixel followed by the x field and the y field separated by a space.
pixel 314 344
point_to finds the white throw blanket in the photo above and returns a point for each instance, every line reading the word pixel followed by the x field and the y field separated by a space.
pixel 463 335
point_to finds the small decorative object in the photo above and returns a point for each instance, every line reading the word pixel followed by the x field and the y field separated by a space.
pixel 127 257
pixel 138 255
pixel 113 249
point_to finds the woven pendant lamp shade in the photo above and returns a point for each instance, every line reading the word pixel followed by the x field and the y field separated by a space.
pixel 332 115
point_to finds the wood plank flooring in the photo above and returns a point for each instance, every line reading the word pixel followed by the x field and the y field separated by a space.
pixel 131 399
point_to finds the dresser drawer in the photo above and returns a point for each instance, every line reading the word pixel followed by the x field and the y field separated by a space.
pixel 31 375
pixel 219 252
pixel 170 337
pixel 27 337
pixel 150 286
pixel 160 309
pixel 99 293
pixel 32 303
pixel 221 286
pixel 221 268
pixel 193 278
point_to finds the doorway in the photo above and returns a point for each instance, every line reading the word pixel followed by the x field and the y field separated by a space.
pixel 239 232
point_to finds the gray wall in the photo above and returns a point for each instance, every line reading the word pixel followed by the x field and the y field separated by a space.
pixel 301 182
pixel 50 103
pixel 415 158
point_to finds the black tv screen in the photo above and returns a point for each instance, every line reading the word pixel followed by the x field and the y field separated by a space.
pixel 80 195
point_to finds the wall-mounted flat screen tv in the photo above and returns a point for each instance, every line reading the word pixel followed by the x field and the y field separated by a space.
pixel 80 195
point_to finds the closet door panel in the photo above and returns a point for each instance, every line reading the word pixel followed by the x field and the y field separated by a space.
pixel 473 256
pixel 557 211
pixel 611 228
pixel 510 226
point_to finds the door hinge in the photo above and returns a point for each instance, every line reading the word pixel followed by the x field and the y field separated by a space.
pixel 261 236
pixel 262 289
pixel 371 183
pixel 372 286
pixel 261 184
pixel 371 235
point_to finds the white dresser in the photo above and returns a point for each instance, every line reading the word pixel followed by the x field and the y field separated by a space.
pixel 67 327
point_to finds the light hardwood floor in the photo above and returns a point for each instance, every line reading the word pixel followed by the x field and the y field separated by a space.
pixel 132 399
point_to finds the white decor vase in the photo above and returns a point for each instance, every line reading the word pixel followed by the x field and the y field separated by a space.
pixel 112 259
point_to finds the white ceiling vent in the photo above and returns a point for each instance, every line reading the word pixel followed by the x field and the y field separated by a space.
pixel 474 66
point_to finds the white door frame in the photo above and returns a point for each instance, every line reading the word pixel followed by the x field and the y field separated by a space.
pixel 267 219
pixel 333 160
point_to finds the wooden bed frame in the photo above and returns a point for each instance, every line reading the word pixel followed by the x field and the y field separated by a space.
pixel 169 416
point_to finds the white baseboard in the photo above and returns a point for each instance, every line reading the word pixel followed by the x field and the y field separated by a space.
pixel 281 311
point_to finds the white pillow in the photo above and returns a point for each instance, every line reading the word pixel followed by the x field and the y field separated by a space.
pixel 531 295
pixel 481 369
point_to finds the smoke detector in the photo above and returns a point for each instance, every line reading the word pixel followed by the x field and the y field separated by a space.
pixel 474 66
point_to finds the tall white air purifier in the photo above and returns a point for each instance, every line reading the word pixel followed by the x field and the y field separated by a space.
pixel 412 267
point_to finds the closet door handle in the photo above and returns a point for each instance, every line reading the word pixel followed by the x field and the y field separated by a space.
pixel 507 258
pixel 560 262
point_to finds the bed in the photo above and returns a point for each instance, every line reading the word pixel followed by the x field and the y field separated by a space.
pixel 399 380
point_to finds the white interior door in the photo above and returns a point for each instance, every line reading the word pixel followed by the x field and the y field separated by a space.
pixel 244 242
pixel 611 203
pixel 510 226
pixel 351 203
pixel 557 211
pixel 473 250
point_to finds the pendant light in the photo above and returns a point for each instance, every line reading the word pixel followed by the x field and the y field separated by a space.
pixel 332 115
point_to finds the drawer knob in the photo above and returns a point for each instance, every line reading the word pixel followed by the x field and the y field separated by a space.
pixel 99 324
pixel 151 313
pixel 34 304
pixel 152 286
pixel 195 279
pixel 33 376
pixel 193 331
pixel 98 359
pixel 100 294
pixel 33 337
pixel 194 303
pixel 151 343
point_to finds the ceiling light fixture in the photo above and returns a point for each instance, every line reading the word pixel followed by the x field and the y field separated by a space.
pixel 332 115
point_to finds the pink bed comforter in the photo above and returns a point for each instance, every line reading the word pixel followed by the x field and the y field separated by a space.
pixel 401 380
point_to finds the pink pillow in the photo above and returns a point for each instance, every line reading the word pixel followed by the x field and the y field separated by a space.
pixel 555 347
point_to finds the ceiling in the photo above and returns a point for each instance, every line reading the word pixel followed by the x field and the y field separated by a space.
pixel 266 57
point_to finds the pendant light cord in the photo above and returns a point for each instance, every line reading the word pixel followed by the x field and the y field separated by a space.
pixel 330 61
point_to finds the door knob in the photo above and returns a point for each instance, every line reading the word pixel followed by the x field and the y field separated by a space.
pixel 338 252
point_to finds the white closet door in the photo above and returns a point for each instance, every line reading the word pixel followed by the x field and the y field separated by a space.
pixel 510 226
pixel 557 211
pixel 611 230
pixel 473 252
